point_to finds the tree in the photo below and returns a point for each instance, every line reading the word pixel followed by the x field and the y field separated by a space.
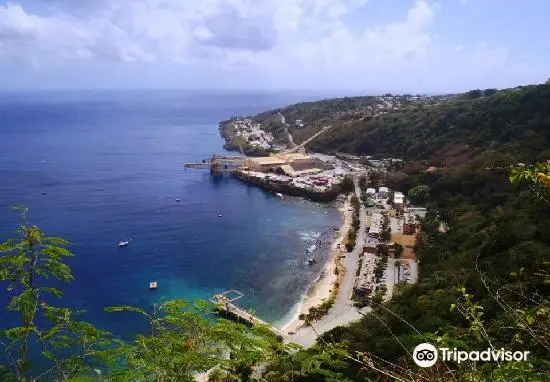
pixel 186 339
pixel 27 263
pixel 347 184
pixel 363 182
pixel 419 194
pixel 374 178
pixel 537 178
pixel 398 250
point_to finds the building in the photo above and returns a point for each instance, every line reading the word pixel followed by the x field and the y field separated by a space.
pixel 371 191
pixel 420 212
pixel 409 229
pixel 376 224
pixel 398 198
pixel 297 161
pixel 383 192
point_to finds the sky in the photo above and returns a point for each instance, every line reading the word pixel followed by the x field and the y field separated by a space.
pixel 419 46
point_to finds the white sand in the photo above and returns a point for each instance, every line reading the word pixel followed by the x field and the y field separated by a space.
pixel 322 288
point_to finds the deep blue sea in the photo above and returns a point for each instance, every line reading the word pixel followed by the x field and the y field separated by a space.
pixel 111 166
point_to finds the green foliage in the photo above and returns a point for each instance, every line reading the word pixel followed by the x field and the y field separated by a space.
pixel 513 121
pixel 187 339
pixel 419 195
pixel 27 263
pixel 363 183
pixel 398 250
pixel 347 184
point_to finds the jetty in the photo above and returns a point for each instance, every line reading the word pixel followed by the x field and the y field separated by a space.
pixel 225 303
pixel 218 164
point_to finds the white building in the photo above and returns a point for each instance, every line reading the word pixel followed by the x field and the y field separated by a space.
pixel 398 198
pixel 376 224
pixel 371 191
pixel 383 192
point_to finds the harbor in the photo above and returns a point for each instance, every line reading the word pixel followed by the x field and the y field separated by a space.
pixel 319 178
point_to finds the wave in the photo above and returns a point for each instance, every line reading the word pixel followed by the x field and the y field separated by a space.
pixel 308 236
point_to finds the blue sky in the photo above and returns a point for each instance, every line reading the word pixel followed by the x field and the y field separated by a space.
pixel 356 45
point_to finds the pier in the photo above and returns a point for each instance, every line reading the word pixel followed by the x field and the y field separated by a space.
pixel 218 164
pixel 224 303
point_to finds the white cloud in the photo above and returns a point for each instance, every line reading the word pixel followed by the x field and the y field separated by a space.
pixel 64 37
pixel 292 43
pixel 173 30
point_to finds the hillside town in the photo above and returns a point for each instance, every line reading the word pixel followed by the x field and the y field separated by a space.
pixel 254 135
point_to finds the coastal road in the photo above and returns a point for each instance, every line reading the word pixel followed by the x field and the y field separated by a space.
pixel 343 312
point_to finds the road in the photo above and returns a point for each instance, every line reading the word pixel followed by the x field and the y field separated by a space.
pixel 290 138
pixel 343 312
pixel 304 143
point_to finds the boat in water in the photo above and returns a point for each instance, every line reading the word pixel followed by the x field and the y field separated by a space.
pixel 123 243
pixel 279 195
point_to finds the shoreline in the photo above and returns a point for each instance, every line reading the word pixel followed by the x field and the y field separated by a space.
pixel 323 285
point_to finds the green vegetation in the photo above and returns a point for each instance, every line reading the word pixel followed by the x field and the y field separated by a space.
pixel 398 250
pixel 484 282
pixel 347 185
pixel 419 194
pixel 315 313
pixel 355 224
pixel 515 121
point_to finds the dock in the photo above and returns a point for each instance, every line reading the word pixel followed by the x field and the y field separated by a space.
pixel 225 304
pixel 218 164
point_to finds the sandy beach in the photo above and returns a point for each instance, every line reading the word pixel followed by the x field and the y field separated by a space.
pixel 322 288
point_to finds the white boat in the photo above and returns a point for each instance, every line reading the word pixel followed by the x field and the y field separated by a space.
pixel 279 195
pixel 153 285
pixel 123 243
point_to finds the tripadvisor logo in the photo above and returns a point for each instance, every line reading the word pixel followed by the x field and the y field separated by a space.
pixel 426 355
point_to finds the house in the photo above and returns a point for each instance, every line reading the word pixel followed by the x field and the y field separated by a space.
pixel 409 229
pixel 398 198
pixel 431 169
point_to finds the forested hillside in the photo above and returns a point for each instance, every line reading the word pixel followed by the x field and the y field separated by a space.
pixel 515 121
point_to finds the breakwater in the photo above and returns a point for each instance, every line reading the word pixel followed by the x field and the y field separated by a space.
pixel 290 189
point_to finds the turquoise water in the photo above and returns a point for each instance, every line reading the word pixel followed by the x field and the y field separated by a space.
pixel 111 166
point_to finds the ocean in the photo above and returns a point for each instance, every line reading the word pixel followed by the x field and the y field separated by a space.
pixel 99 166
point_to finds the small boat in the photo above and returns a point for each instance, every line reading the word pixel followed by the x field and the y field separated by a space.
pixel 220 215
pixel 178 199
pixel 153 285
pixel 311 261
pixel 279 195
pixel 123 243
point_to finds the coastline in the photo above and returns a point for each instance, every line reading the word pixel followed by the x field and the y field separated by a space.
pixel 322 287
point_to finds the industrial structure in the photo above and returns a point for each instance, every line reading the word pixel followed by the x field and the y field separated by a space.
pixel 219 164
